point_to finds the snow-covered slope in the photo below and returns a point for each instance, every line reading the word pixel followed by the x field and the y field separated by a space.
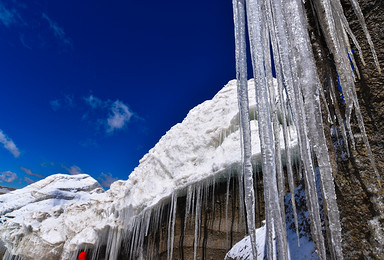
pixel 205 145
pixel 32 218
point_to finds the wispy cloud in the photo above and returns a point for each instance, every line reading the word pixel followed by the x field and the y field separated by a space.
pixel 93 102
pixel 28 180
pixel 55 104
pixel 119 116
pixel 67 101
pixel 29 172
pixel 74 170
pixel 57 30
pixel 9 144
pixel 47 164
pixel 8 176
pixel 106 179
pixel 9 16
pixel 117 113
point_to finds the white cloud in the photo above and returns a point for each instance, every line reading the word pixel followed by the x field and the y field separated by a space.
pixel 74 170
pixel 29 172
pixel 94 102
pixel 8 176
pixel 117 114
pixel 9 144
pixel 106 179
pixel 118 117
pixel 9 16
pixel 57 30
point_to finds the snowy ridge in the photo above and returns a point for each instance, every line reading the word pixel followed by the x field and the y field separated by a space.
pixel 203 147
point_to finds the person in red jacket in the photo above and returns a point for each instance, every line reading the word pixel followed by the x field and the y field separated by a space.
pixel 83 256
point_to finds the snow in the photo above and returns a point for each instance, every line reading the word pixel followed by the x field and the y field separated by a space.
pixel 34 215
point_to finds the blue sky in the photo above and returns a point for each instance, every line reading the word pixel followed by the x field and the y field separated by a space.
pixel 91 86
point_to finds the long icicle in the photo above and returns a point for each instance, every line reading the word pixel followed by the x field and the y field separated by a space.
pixel 360 17
pixel 291 14
pixel 256 27
pixel 309 83
pixel 242 92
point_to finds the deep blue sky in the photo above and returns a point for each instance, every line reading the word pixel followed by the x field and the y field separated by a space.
pixel 91 86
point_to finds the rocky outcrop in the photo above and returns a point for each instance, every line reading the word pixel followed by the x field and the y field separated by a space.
pixel 4 190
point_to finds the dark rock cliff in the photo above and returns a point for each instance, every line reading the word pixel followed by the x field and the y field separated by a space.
pixel 360 196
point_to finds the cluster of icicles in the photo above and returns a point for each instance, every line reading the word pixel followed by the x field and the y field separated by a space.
pixel 276 28
pixel 282 26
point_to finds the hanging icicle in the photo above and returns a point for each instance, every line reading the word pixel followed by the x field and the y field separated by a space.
pixel 242 90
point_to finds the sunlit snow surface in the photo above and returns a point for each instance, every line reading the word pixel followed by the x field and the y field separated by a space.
pixel 204 146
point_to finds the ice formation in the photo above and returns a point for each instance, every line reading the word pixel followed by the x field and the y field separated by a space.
pixel 282 25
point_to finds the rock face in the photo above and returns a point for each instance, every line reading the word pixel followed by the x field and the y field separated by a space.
pixel 359 195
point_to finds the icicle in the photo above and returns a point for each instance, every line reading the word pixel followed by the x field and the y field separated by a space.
pixel 360 17
pixel 197 221
pixel 283 114
pixel 309 86
pixel 293 15
pixel 188 206
pixel 242 93
pixel 226 209
pixel 256 34
pixel 339 9
pixel 331 29
pixel 276 126
pixel 171 225
pixel 338 114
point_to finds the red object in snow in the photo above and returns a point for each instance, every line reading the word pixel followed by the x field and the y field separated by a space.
pixel 83 256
